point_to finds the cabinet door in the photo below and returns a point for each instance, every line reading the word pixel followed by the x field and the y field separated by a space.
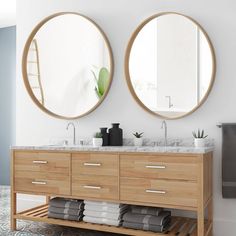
pixel 53 162
pixel 42 182
pixel 98 187
pixel 160 167
pixel 95 164
pixel 179 193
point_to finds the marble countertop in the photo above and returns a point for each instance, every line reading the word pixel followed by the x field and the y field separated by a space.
pixel 151 149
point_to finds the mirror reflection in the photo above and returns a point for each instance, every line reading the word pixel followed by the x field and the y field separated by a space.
pixel 68 65
pixel 170 66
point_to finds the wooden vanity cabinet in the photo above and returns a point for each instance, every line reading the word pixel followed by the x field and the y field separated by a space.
pixel 171 180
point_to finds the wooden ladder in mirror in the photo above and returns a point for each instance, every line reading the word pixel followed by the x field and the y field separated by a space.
pixel 34 71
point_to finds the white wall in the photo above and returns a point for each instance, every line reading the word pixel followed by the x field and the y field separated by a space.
pixel 119 19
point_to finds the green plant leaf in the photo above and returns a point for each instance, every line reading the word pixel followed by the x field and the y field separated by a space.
pixel 98 135
pixel 194 134
pixel 103 81
pixel 94 76
pixel 138 135
pixel 199 134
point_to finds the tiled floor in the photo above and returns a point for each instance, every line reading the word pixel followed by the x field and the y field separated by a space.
pixel 32 228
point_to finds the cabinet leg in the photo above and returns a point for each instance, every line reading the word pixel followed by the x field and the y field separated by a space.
pixel 200 222
pixel 47 199
pixel 210 216
pixel 13 210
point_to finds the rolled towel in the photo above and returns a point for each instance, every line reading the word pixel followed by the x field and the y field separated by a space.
pixel 105 204
pixel 107 215
pixel 66 203
pixel 65 217
pixel 105 208
pixel 102 221
pixel 161 220
pixel 146 227
pixel 155 211
pixel 65 211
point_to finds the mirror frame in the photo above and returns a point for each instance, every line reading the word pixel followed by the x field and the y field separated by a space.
pixel 24 65
pixel 127 71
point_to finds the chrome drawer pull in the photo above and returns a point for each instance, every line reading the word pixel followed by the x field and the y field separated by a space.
pixel 155 191
pixel 40 162
pixel 156 167
pixel 92 164
pixel 91 187
pixel 39 182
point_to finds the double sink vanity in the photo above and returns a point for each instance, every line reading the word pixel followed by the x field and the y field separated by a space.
pixel 170 70
pixel 169 177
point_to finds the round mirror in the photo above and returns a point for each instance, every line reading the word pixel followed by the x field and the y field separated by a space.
pixel 170 65
pixel 67 65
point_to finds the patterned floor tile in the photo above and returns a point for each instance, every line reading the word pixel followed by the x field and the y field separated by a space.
pixel 34 228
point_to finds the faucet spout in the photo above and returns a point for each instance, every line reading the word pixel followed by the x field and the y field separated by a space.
pixel 164 126
pixel 73 125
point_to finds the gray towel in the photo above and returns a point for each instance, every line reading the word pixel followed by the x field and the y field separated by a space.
pixel 161 220
pixel 146 227
pixel 65 211
pixel 65 217
pixel 155 211
pixel 66 203
pixel 229 161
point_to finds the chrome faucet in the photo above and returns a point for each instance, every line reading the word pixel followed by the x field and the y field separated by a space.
pixel 164 126
pixel 73 125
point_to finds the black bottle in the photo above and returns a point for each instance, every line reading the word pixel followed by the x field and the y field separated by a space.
pixel 105 137
pixel 115 135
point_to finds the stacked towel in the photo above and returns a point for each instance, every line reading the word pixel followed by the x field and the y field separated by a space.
pixel 147 218
pixel 104 212
pixel 66 209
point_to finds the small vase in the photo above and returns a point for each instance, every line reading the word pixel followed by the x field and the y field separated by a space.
pixel 199 142
pixel 115 135
pixel 97 142
pixel 105 136
pixel 138 142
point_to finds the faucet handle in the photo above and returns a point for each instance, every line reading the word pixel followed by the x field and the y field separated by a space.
pixel 65 142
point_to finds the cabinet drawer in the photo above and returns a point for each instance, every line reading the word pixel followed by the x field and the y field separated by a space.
pixel 40 161
pixel 95 164
pixel 181 193
pixel 161 167
pixel 42 182
pixel 95 187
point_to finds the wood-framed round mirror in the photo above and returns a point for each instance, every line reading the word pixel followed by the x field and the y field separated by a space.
pixel 67 65
pixel 170 65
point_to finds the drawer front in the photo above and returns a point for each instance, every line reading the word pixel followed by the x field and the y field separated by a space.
pixel 88 186
pixel 40 161
pixel 180 193
pixel 95 164
pixel 42 182
pixel 161 167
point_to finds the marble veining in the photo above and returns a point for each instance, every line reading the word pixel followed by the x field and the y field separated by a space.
pixel 154 149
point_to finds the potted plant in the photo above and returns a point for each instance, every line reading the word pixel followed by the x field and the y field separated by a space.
pixel 138 140
pixel 97 139
pixel 199 138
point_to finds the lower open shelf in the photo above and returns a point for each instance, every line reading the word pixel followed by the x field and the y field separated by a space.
pixel 179 225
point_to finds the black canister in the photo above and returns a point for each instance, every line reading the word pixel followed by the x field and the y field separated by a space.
pixel 115 135
pixel 105 137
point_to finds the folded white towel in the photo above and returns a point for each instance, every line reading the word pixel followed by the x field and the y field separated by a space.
pixel 106 204
pixel 102 221
pixel 105 208
pixel 107 215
